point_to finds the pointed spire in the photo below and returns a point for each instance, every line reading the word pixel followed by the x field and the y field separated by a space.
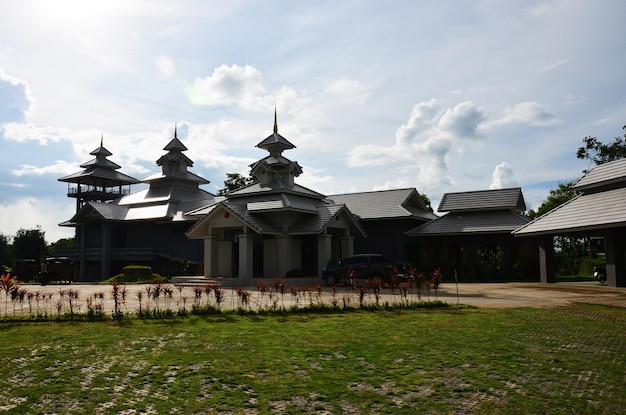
pixel 176 130
pixel 101 140
pixel 275 122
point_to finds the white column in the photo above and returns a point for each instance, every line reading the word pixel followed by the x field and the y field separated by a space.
pixel 210 256
pixel 324 252
pixel 246 248
pixel 284 255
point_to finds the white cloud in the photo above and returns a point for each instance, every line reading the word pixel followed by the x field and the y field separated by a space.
pixel 60 168
pixel 528 113
pixel 503 177
pixel 604 121
pixel 399 183
pixel 30 212
pixel 24 132
pixel 244 88
pixel 349 91
pixel 463 120
pixel 423 117
pixel 226 86
pixel 424 143
pixel 14 185
pixel 16 98
pixel 165 66
pixel 555 65
pixel 313 178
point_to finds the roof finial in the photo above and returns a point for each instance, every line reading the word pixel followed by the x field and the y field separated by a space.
pixel 101 139
pixel 176 131
pixel 275 122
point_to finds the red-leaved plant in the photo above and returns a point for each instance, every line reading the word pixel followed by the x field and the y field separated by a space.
pixel 8 283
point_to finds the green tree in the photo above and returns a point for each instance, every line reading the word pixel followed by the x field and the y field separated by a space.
pixel 63 243
pixel 427 203
pixel 6 252
pixel 599 152
pixel 30 243
pixel 235 181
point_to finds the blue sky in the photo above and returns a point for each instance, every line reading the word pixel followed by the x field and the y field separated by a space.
pixel 443 96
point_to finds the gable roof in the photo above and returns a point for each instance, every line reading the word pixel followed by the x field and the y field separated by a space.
pixel 385 204
pixel 603 175
pixel 463 223
pixel 499 199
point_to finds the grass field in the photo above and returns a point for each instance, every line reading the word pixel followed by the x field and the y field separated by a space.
pixel 436 361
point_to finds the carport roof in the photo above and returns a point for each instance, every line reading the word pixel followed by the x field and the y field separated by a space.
pixel 584 213
pixel 602 205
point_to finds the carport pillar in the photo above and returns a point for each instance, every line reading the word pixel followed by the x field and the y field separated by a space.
pixel 246 263
pixel 615 258
pixel 547 262
pixel 324 252
pixel 210 256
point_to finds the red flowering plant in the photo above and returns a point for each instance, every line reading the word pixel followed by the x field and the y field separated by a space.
pixel 351 278
pixel 436 280
pixel 8 284
pixel 417 278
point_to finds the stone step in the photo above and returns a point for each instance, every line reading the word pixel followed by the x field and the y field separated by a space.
pixel 191 280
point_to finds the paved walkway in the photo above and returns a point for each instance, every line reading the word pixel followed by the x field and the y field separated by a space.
pixel 493 295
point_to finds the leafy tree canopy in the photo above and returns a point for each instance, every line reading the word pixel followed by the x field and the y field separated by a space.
pixel 427 203
pixel 63 243
pixel 599 152
pixel 29 243
pixel 6 252
pixel 235 181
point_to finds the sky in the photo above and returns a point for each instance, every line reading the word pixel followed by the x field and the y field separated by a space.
pixel 440 95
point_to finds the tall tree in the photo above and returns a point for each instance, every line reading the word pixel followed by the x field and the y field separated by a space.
pixel 426 201
pixel 235 181
pixel 6 253
pixel 63 243
pixel 29 243
pixel 599 152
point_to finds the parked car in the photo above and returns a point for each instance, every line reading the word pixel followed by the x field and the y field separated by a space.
pixel 363 266
pixel 58 269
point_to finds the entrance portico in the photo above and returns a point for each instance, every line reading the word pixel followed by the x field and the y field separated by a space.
pixel 273 227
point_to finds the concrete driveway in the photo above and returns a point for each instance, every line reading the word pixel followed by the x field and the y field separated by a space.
pixel 493 295
pixel 508 295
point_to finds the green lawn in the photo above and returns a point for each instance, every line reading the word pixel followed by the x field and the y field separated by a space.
pixel 552 360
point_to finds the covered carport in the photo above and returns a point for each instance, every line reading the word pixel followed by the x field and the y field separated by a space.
pixel 598 211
